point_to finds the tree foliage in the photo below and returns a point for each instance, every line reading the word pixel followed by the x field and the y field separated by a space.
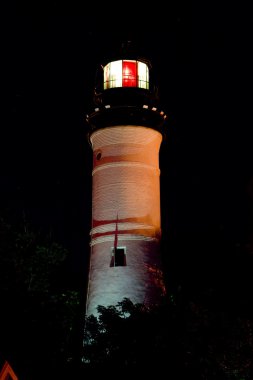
pixel 39 315
pixel 181 337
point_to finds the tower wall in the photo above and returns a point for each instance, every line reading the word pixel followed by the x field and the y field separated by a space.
pixel 125 213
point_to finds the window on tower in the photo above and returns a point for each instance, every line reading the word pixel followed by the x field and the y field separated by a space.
pixel 118 258
pixel 126 73
pixel 98 156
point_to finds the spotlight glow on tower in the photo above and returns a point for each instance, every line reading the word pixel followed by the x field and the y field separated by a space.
pixel 125 133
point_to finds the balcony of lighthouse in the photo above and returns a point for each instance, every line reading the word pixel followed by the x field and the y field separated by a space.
pixel 114 115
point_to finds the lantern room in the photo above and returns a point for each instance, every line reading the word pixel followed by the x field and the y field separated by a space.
pixel 126 73
pixel 125 93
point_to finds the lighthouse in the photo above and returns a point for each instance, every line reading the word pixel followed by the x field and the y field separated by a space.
pixel 125 132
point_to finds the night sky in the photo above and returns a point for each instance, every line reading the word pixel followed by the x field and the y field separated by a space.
pixel 202 60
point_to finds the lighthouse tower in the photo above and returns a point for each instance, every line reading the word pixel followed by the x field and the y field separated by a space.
pixel 125 133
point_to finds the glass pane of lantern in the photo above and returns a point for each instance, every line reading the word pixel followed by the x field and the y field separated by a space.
pixel 129 78
pixel 113 74
pixel 107 76
pixel 143 75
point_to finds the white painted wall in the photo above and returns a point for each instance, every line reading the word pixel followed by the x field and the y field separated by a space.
pixel 126 193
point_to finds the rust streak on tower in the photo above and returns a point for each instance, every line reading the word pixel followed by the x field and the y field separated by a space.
pixel 125 133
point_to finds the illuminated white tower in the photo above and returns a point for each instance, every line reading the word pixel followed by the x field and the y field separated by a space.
pixel 125 133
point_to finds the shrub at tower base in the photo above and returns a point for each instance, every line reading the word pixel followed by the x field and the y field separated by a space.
pixel 181 337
